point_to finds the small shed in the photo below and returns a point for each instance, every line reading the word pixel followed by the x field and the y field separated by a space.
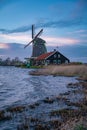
pixel 54 57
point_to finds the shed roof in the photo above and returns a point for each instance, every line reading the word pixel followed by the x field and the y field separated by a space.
pixel 44 56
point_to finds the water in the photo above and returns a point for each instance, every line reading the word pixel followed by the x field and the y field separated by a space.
pixel 17 88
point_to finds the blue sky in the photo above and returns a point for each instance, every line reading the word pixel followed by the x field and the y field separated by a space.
pixel 64 21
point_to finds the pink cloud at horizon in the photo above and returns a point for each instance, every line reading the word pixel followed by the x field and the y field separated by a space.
pixel 60 41
pixel 14 37
pixel 4 46
pixel 51 41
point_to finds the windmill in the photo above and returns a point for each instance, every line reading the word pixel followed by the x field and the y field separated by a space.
pixel 38 44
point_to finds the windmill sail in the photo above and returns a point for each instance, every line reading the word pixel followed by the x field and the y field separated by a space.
pixel 32 31
pixel 38 44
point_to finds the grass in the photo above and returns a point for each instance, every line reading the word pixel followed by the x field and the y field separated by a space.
pixel 80 127
pixel 31 67
pixel 36 67
pixel 64 70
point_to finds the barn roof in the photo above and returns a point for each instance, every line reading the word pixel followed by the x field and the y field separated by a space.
pixel 44 56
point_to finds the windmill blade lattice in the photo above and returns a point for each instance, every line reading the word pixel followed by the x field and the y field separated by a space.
pixel 34 38
pixel 28 44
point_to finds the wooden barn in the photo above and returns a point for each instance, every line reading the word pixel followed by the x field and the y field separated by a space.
pixel 54 57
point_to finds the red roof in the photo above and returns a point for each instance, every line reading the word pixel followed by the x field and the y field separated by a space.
pixel 44 56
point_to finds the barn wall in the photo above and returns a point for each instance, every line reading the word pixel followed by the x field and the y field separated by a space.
pixel 57 58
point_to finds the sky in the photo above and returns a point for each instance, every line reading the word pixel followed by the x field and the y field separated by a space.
pixel 64 23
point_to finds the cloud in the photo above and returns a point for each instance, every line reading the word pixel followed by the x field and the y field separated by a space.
pixel 84 35
pixel 47 24
pixel 15 38
pixel 76 15
pixel 53 41
pixel 60 41
pixel 4 46
pixel 81 31
pixel 63 23
pixel 17 30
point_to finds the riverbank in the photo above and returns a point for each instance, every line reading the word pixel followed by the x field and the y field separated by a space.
pixel 71 115
pixel 74 119
pixel 63 70
pixel 63 110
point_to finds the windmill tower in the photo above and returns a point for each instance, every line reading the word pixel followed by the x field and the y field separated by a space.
pixel 38 44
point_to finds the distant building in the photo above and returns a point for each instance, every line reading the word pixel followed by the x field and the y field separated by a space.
pixel 54 57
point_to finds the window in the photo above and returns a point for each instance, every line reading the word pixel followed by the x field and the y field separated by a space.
pixel 59 61
pixel 55 56
pixel 58 55
pixel 54 61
